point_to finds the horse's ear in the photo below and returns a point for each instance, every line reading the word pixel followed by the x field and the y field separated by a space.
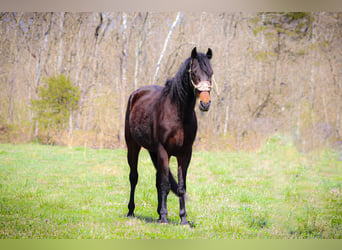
pixel 194 53
pixel 209 53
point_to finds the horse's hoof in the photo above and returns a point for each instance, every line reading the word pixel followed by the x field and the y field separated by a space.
pixel 185 223
pixel 130 215
pixel 163 221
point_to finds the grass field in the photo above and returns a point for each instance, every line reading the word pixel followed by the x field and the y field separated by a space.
pixel 60 192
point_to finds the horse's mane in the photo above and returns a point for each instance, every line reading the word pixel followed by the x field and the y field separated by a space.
pixel 179 87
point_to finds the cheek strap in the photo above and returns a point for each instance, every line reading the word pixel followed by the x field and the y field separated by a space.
pixel 201 86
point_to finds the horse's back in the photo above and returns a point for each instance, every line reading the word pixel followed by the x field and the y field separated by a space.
pixel 146 94
pixel 140 109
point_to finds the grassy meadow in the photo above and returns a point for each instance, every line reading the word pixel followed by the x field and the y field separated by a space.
pixel 275 193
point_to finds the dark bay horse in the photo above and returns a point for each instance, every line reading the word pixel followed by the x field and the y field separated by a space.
pixel 163 120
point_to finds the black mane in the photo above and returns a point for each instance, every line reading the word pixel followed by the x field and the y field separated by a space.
pixel 178 87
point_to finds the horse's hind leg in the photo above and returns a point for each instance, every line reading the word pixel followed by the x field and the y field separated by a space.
pixel 160 161
pixel 163 183
pixel 154 158
pixel 132 157
pixel 173 183
pixel 183 163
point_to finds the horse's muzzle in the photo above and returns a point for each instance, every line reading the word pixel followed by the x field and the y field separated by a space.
pixel 204 106
pixel 204 101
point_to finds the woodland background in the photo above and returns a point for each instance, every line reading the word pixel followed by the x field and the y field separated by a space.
pixel 277 73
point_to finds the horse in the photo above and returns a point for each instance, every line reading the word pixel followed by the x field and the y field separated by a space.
pixel 163 121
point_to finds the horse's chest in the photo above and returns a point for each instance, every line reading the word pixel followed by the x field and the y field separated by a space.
pixel 178 140
pixel 175 133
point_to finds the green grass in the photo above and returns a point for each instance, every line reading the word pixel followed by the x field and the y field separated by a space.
pixel 277 192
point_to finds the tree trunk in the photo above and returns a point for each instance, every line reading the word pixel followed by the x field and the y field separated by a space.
pixel 61 40
pixel 338 111
pixel 156 78
pixel 12 72
pixel 70 127
pixel 39 69
pixel 138 50
pixel 123 71
pixel 227 114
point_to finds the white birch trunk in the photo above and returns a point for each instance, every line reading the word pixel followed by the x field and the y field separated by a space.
pixel 123 65
pixel 60 46
pixel 156 78
pixel 138 52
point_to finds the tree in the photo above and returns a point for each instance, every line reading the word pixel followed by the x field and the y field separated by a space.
pixel 155 78
pixel 276 71
pixel 56 100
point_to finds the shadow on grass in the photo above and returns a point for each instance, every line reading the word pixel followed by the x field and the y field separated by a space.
pixel 155 220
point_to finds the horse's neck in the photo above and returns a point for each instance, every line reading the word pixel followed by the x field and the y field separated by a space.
pixel 187 108
pixel 181 95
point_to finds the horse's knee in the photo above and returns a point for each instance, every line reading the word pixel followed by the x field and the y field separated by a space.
pixel 181 191
pixel 165 187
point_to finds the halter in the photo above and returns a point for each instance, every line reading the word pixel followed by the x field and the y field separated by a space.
pixel 202 85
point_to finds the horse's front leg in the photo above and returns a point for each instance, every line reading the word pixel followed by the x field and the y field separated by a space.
pixel 183 163
pixel 163 184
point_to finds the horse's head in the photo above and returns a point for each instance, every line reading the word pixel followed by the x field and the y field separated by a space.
pixel 201 75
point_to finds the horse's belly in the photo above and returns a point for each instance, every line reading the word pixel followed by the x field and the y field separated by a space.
pixel 141 137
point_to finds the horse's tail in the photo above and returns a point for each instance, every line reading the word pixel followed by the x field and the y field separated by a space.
pixel 174 185
pixel 129 104
pixel 128 109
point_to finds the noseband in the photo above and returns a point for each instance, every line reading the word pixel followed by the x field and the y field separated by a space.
pixel 202 85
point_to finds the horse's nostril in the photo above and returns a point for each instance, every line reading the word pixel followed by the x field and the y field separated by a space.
pixel 205 106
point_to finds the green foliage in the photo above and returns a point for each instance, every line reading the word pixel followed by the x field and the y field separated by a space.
pixel 56 100
pixel 293 24
pixel 264 56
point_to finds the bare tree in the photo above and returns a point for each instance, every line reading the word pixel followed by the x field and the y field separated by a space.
pixel 175 22
pixel 123 75
pixel 276 72
pixel 141 37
